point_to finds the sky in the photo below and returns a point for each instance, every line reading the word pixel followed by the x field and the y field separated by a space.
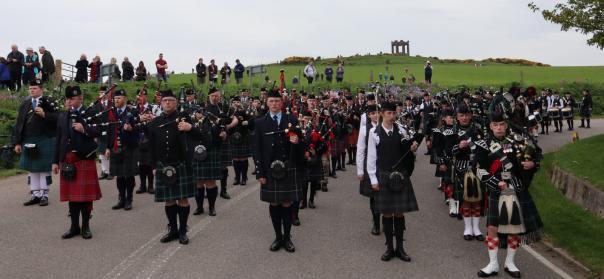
pixel 266 31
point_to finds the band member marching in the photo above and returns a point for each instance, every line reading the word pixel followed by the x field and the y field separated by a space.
pixel 317 146
pixel 365 189
pixel 170 138
pixel 444 138
pixel 33 137
pixel 506 168
pixel 586 108
pixel 145 172
pixel 568 112
pixel 239 141
pixel 557 104
pixel 74 158
pixel 279 158
pixel 390 163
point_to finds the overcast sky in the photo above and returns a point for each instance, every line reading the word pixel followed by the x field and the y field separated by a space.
pixel 264 31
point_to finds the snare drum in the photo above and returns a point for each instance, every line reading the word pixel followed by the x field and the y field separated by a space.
pixel 567 112
pixel 538 116
pixel 553 113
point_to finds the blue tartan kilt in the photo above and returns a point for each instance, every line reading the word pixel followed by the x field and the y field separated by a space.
pixel 240 149
pixel 185 188
pixel 43 160
pixel 208 169
pixel 225 154
pixel 314 170
pixel 288 189
pixel 125 163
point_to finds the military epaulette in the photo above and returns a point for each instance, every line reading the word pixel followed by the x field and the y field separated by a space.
pixel 482 143
pixel 436 130
pixel 448 132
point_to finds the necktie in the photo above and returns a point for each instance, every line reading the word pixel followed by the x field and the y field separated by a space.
pixel 276 119
pixel 119 112
pixel 389 133
pixel 34 104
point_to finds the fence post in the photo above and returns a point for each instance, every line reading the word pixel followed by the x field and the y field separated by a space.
pixel 58 75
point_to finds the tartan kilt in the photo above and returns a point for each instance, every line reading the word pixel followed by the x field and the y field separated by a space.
pixel 225 155
pixel 388 202
pixel 208 169
pixel 314 170
pixel 530 217
pixel 43 162
pixel 344 144
pixel 353 137
pixel 585 113
pixel 337 147
pixel 365 187
pixel 85 187
pixel 288 189
pixel 241 149
pixel 125 163
pixel 144 157
pixel 185 188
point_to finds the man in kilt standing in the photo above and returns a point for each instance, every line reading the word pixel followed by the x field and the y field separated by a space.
pixel 122 148
pixel 506 169
pixel 317 146
pixel 74 155
pixel 279 158
pixel 361 157
pixel 99 107
pixel 390 163
pixel 145 173
pixel 170 140
pixel 239 142
pixel 33 138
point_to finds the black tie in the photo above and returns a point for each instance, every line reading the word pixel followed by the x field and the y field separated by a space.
pixel 276 119
pixel 389 133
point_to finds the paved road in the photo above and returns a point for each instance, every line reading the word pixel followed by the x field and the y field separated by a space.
pixel 333 241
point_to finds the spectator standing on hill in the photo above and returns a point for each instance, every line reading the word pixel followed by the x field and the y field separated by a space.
pixel 428 72
pixel 31 66
pixel 340 73
pixel 95 69
pixel 239 70
pixel 48 64
pixel 225 73
pixel 213 72
pixel 328 74
pixel 15 66
pixel 81 69
pixel 201 71
pixel 310 71
pixel 128 70
pixel 4 74
pixel 161 66
pixel 141 72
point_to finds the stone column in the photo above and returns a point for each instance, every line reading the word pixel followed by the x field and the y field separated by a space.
pixel 58 71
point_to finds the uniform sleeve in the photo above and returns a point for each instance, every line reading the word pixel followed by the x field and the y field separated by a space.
pixel 361 152
pixel 372 156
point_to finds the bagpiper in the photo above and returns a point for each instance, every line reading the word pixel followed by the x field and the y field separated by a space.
pixel 365 189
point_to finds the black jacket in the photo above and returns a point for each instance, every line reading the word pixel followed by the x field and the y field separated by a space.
pixel 28 119
pixel 201 70
pixel 163 128
pixel 128 70
pixel 82 71
pixel 128 139
pixel 15 66
pixel 275 146
pixel 82 143
pixel 48 63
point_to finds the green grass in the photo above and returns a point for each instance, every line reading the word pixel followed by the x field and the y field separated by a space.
pixel 584 159
pixel 10 172
pixel 566 224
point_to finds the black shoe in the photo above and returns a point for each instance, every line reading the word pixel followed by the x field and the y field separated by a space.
pixel 375 231
pixel 34 200
pixel 296 222
pixel 276 245
pixel 289 245
pixel 70 233
pixel 44 201
pixel 388 255
pixel 141 190
pixel 513 274
pixel 151 191
pixel 183 238
pixel 402 255
pixel 482 274
pixel 212 211
pixel 243 182
pixel 343 168
pixel 468 237
pixel 171 235
pixel 302 205
pixel 109 177
pixel 198 211
pixel 542 133
pixel 479 237
pixel 324 188
pixel 311 204
pixel 333 175
pixel 128 205
pixel 103 176
pixel 236 182
pixel 119 205
pixel 86 233
pixel 225 195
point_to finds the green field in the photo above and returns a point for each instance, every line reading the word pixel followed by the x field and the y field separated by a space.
pixel 579 159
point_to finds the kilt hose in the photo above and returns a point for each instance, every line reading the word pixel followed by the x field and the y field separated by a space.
pixel 530 217
pixel 288 189
pixel 124 163
pixel 210 168
pixel 389 202
pixel 85 186
pixel 184 188
pixel 42 161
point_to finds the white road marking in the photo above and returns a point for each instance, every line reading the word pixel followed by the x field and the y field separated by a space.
pixel 547 263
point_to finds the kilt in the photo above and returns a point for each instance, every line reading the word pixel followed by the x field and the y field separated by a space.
pixel 125 163
pixel 43 162
pixel 344 144
pixel 288 189
pixel 208 169
pixel 388 202
pixel 365 187
pixel 225 154
pixel 337 147
pixel 85 186
pixel 353 137
pixel 314 170
pixel 101 145
pixel 240 149
pixel 185 188
pixel 144 158
pixel 585 113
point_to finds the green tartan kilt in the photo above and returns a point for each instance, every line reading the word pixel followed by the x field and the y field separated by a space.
pixel 184 189
pixel 241 148
pixel 125 163
pixel 208 169
pixel 530 217
pixel 43 161
pixel 288 189
pixel 389 202
pixel 225 155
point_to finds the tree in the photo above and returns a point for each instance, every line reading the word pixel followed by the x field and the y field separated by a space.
pixel 585 16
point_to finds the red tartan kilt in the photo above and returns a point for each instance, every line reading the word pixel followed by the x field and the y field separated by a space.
pixel 353 137
pixel 85 186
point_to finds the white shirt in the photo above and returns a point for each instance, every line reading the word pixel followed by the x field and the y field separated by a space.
pixel 309 71
pixel 362 150
pixel 372 144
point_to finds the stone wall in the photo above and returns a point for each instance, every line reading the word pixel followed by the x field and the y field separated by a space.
pixel 578 190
